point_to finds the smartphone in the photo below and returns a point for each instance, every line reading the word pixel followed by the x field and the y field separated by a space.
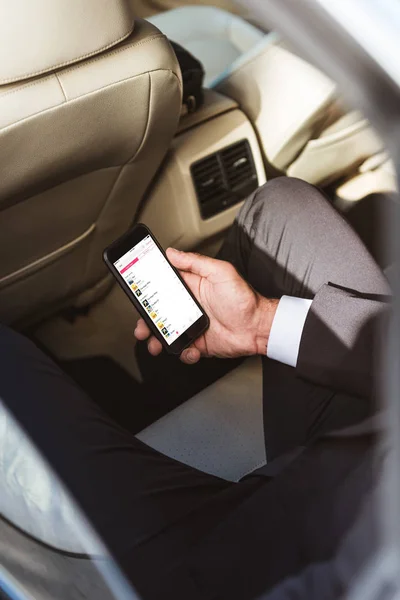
pixel 156 289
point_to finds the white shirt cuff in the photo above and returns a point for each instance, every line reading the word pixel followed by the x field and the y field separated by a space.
pixel 287 328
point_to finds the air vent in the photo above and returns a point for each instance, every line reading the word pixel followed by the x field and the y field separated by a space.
pixel 239 166
pixel 224 178
pixel 208 179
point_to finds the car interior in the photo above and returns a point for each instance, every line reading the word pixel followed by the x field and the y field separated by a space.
pixel 94 138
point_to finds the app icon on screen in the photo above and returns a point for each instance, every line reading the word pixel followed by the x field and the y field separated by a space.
pixel 160 325
pixel 149 308
pixel 164 330
pixel 138 293
pixel 145 303
pixel 153 315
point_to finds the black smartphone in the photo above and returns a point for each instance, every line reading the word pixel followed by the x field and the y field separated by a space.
pixel 156 289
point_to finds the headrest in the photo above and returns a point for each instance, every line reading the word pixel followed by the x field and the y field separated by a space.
pixel 38 36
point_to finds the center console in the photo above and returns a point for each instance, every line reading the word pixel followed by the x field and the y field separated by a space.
pixel 213 164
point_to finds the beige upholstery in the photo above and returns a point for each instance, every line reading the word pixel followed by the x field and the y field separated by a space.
pixel 303 130
pixel 337 151
pixel 376 175
pixel 291 103
pixel 79 144
pixel 35 36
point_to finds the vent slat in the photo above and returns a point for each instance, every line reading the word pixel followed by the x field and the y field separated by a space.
pixel 209 180
pixel 213 196
pixel 234 152
pixel 224 178
pixel 214 168
pixel 241 174
pixel 238 164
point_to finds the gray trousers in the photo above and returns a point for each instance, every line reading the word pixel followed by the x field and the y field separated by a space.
pixel 180 533
pixel 289 240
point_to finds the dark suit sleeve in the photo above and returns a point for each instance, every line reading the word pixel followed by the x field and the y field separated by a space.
pixel 337 347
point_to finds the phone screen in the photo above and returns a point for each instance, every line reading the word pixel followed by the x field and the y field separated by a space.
pixel 157 287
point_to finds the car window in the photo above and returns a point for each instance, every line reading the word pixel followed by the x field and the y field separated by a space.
pixel 47 545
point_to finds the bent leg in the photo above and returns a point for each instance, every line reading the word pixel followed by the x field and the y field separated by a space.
pixel 176 532
pixel 288 239
pixel 132 494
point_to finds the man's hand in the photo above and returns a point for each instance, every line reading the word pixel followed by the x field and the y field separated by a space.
pixel 240 318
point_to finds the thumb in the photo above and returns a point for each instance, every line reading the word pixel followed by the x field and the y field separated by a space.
pixel 204 266
pixel 191 355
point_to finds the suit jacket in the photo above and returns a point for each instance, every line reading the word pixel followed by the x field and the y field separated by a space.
pixel 340 334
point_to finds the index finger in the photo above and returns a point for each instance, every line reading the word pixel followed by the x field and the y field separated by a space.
pixel 192 262
pixel 142 332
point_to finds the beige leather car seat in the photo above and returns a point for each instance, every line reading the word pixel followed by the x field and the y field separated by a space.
pixel 376 175
pixel 89 101
pixel 302 128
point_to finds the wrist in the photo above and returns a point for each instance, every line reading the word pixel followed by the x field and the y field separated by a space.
pixel 265 313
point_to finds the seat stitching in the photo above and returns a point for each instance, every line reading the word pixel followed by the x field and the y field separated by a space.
pixel 122 81
pixel 68 62
pixel 23 87
pixel 129 161
pixel 79 66
pixel 4 206
pixel 110 194
pixel 62 89
pixel 114 52
pixel 146 129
